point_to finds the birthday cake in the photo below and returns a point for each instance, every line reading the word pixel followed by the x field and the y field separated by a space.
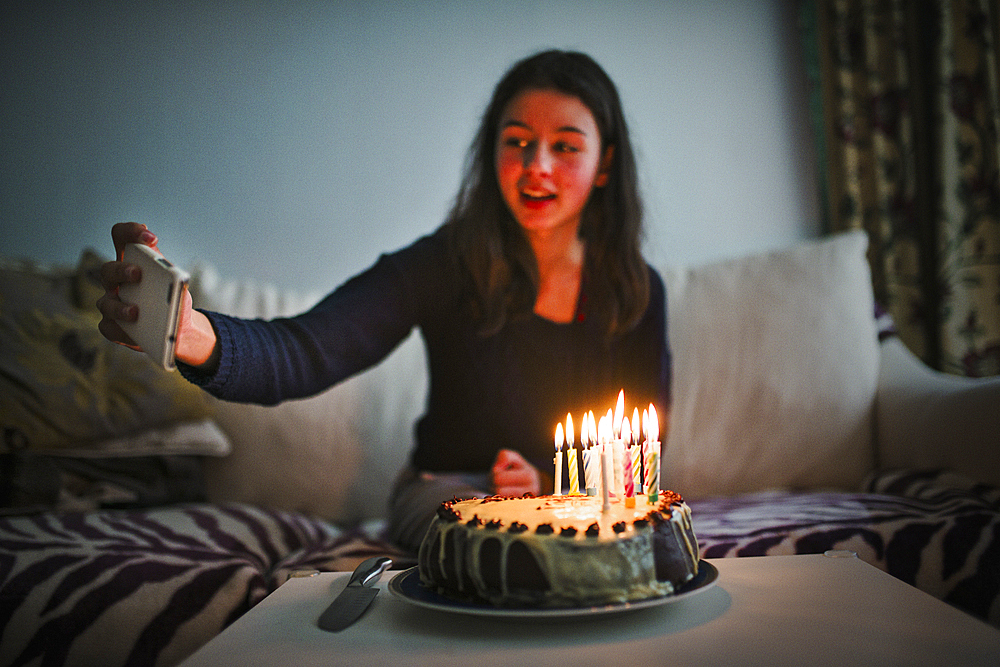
pixel 560 550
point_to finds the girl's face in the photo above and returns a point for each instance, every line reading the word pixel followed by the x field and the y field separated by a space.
pixel 548 159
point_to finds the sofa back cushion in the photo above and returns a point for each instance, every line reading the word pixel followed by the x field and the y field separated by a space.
pixel 334 455
pixel 775 369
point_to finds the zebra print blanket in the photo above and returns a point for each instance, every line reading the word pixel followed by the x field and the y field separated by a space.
pixel 148 587
pixel 934 530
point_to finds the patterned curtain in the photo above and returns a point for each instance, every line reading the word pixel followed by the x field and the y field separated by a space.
pixel 906 108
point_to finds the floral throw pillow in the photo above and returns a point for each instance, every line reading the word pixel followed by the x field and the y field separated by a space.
pixel 65 390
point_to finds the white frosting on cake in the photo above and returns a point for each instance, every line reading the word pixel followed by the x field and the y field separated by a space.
pixel 589 556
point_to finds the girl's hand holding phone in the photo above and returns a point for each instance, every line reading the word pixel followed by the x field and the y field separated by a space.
pixel 195 338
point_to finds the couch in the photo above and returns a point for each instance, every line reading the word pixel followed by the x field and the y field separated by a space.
pixel 141 516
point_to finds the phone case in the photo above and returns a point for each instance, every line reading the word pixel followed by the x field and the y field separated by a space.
pixel 158 295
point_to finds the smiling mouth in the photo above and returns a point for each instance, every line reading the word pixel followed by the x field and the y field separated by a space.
pixel 537 198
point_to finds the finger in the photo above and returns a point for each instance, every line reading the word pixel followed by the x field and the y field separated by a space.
pixel 116 274
pixel 516 477
pixel 515 482
pixel 501 462
pixel 114 309
pixel 111 330
pixel 508 458
pixel 124 233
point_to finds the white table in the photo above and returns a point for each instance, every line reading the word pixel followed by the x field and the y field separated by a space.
pixel 777 610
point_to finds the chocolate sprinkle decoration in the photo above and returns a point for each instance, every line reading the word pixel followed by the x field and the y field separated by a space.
pixel 545 529
pixel 517 527
pixel 447 513
pixel 619 527
pixel 493 525
pixel 568 531
pixel 474 521
pixel 593 530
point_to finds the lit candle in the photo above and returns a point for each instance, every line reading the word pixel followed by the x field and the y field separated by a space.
pixel 618 468
pixel 618 447
pixel 595 453
pixel 654 425
pixel 653 458
pixel 588 457
pixel 608 449
pixel 645 446
pixel 603 437
pixel 635 454
pixel 574 473
pixel 627 464
pixel 558 459
pixel 636 449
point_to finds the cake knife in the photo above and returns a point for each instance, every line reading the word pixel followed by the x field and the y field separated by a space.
pixel 355 598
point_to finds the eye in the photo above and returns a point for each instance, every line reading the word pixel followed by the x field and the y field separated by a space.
pixel 515 142
pixel 563 147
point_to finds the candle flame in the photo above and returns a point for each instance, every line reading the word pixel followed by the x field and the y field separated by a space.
pixel 619 413
pixel 559 437
pixel 636 425
pixel 570 435
pixel 626 431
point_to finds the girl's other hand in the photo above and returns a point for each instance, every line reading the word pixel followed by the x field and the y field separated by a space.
pixel 512 475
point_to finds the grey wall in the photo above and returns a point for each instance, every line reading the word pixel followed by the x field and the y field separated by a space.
pixel 292 141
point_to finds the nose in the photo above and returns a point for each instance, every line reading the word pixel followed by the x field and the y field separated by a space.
pixel 538 160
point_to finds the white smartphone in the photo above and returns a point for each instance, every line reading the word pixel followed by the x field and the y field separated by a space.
pixel 158 295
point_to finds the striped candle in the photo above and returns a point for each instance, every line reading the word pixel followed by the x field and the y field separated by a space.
pixel 617 489
pixel 652 472
pixel 636 454
pixel 626 441
pixel 590 461
pixel 653 457
pixel 574 473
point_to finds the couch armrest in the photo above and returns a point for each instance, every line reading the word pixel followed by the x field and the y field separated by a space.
pixel 929 419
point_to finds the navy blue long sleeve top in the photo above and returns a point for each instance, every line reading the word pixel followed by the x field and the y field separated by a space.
pixel 486 393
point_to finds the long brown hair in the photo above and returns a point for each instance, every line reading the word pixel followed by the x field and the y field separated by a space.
pixel 499 264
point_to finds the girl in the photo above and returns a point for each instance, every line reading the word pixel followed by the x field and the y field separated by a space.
pixel 532 299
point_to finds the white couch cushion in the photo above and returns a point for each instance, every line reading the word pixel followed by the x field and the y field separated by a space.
pixel 774 370
pixel 334 455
